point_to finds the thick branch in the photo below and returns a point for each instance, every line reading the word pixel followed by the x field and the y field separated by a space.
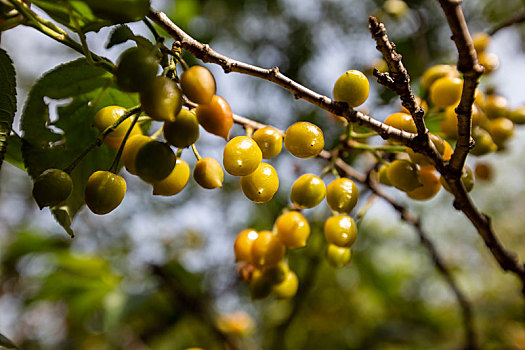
pixel 472 70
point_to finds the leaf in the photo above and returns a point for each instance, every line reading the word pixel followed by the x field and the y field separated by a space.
pixel 6 343
pixel 120 11
pixel 44 147
pixel 7 100
pixel 119 35
pixel 14 152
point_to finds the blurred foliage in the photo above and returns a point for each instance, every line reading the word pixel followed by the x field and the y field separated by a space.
pixel 98 292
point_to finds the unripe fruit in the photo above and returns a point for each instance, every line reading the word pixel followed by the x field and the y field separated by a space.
pixel 383 176
pixel 243 245
pixel 402 121
pixel 198 84
pixel 352 87
pixel 517 116
pixel 430 185
pixel 260 185
pixel 116 142
pixel 154 161
pixel 467 177
pixel 287 288
pixel 267 250
pixel 403 175
pixel 184 131
pixel 161 100
pixel 276 274
pixel 338 256
pixel 260 286
pixel 269 140
pixel 208 173
pixel 496 106
pixel 106 116
pixel 175 182
pixel 304 140
pixel 216 117
pixel 129 154
pixel 501 130
pixel 340 230
pixel 104 192
pixel 52 187
pixel 446 92
pixel 307 191
pixel 241 156
pixel 438 71
pixel 483 142
pixel 292 229
pixel 342 195
pixel 136 68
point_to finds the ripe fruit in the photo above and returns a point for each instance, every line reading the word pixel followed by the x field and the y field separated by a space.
pixel 116 142
pixel 352 87
pixel 242 247
pixel 481 41
pixel 484 171
pixel 304 140
pixel 292 229
pixel 175 182
pixel 307 191
pixel 198 84
pixel 496 106
pixel 446 91
pixel 402 121
pixel 340 230
pixel 489 61
pixel 430 185
pixel 104 192
pixel 267 250
pixel 449 123
pixel 136 68
pixel 467 177
pixel 208 173
pixel 52 187
pixel 260 185
pixel 403 175
pixel 216 117
pixel 501 129
pixel 269 140
pixel 338 256
pixel 241 156
pixel 154 161
pixel 129 154
pixel 287 288
pixel 342 195
pixel 184 131
pixel 161 99
pixel 106 116
pixel 438 71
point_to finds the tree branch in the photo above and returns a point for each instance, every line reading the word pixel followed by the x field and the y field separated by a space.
pixel 515 19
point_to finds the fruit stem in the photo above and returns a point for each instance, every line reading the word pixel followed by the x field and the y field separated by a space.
pixel 249 131
pixel 195 152
pixel 114 166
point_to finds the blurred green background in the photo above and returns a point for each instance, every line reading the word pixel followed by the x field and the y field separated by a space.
pixel 158 273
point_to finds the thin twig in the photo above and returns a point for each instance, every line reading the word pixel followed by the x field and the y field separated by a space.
pixel 515 19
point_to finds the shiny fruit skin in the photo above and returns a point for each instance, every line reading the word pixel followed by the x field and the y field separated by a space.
pixel 136 68
pixel 242 247
pixel 184 131
pixel 261 185
pixel 241 156
pixel 438 71
pixel 287 288
pixel 352 87
pixel 383 176
pixel 175 182
pixel 208 173
pixel 483 142
pixel 449 123
pixel 401 121
pixel 501 130
pixel 155 161
pixel 446 92
pixel 129 154
pixel 269 140
pixel 198 84
pixel 304 140
pixel 307 191
pixel 403 175
pixel 340 230
pixel 161 100
pixel 52 187
pixel 430 185
pixel 292 229
pixel 267 250
pixel 342 195
pixel 106 116
pixel 216 117
pixel 104 192
pixel 467 177
pixel 338 256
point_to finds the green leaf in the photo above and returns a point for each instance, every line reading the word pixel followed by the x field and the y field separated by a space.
pixel 120 11
pixel 119 35
pixel 6 343
pixel 55 144
pixel 7 100
pixel 14 152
